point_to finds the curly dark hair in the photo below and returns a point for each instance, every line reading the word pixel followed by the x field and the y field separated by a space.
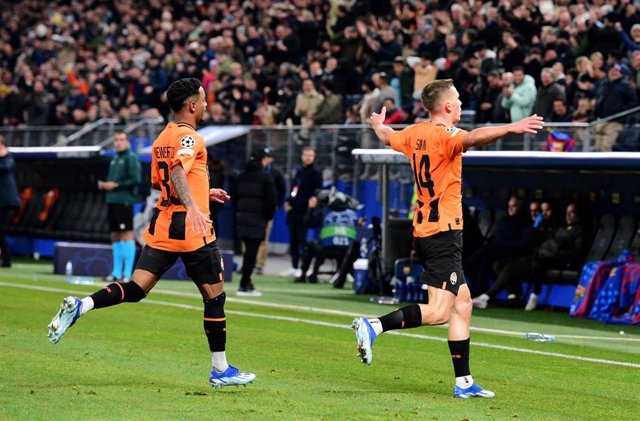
pixel 180 91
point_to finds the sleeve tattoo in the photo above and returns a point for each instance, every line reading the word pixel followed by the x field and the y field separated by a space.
pixel 179 179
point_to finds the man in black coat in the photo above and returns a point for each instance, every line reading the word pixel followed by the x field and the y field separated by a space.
pixel 306 181
pixel 9 199
pixel 255 203
pixel 278 180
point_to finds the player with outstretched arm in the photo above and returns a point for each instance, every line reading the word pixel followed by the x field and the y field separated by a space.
pixel 434 149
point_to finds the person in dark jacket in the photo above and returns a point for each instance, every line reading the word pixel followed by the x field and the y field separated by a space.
pixel 306 181
pixel 508 241
pixel 565 249
pixel 9 199
pixel 278 181
pixel 614 96
pixel 124 176
pixel 255 203
pixel 547 93
pixel 511 271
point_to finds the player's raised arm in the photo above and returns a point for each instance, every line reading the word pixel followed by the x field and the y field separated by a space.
pixel 377 124
pixel 485 135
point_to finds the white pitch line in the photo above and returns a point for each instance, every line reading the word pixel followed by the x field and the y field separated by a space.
pixel 341 326
pixel 321 310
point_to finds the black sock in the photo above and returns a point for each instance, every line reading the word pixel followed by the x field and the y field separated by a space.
pixel 460 357
pixel 215 324
pixel 117 293
pixel 404 318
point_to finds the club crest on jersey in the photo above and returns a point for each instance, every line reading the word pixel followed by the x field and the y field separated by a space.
pixel 188 142
pixel 453 278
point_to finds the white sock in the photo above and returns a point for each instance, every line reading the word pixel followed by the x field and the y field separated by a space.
pixel 376 325
pixel 219 361
pixel 87 305
pixel 483 297
pixel 464 382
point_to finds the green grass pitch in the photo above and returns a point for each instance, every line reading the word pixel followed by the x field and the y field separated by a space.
pixel 151 361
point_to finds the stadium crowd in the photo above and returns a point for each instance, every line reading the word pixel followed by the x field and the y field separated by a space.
pixel 311 62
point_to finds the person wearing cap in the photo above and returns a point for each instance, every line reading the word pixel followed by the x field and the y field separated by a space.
pixel 614 96
pixel 255 204
pixel 278 181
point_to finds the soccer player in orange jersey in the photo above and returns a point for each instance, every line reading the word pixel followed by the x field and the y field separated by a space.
pixel 180 227
pixel 434 149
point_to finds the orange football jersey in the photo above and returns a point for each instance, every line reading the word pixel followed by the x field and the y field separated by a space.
pixel 435 154
pixel 168 230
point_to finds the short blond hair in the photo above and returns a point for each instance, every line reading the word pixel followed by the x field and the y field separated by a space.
pixel 432 93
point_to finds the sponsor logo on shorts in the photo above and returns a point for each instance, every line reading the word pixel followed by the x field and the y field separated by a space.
pixel 453 278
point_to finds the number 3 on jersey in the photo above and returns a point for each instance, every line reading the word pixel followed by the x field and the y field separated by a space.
pixel 424 181
pixel 166 187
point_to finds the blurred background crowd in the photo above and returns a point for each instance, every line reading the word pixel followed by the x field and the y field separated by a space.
pixel 311 62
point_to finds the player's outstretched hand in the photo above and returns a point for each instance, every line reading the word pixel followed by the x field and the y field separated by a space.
pixel 199 223
pixel 218 195
pixel 529 124
pixel 378 119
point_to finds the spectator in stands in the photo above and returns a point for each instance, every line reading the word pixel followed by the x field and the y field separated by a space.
pixel 307 104
pixel 394 115
pixel 512 54
pixel 121 187
pixel 255 202
pixel 371 92
pixel 286 104
pixel 533 64
pixel 402 82
pixel 566 249
pixel 488 59
pixel 330 109
pixel 635 71
pixel 279 184
pixel 510 240
pixel 424 72
pixel 333 72
pixel 38 106
pixel 547 93
pixel 9 199
pixel 561 112
pixel 614 96
pixel 488 100
pixel 520 96
pixel 305 182
pixel 347 42
pixel 381 80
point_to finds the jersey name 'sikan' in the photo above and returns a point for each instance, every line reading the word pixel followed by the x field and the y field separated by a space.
pixel 435 153
pixel 167 230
